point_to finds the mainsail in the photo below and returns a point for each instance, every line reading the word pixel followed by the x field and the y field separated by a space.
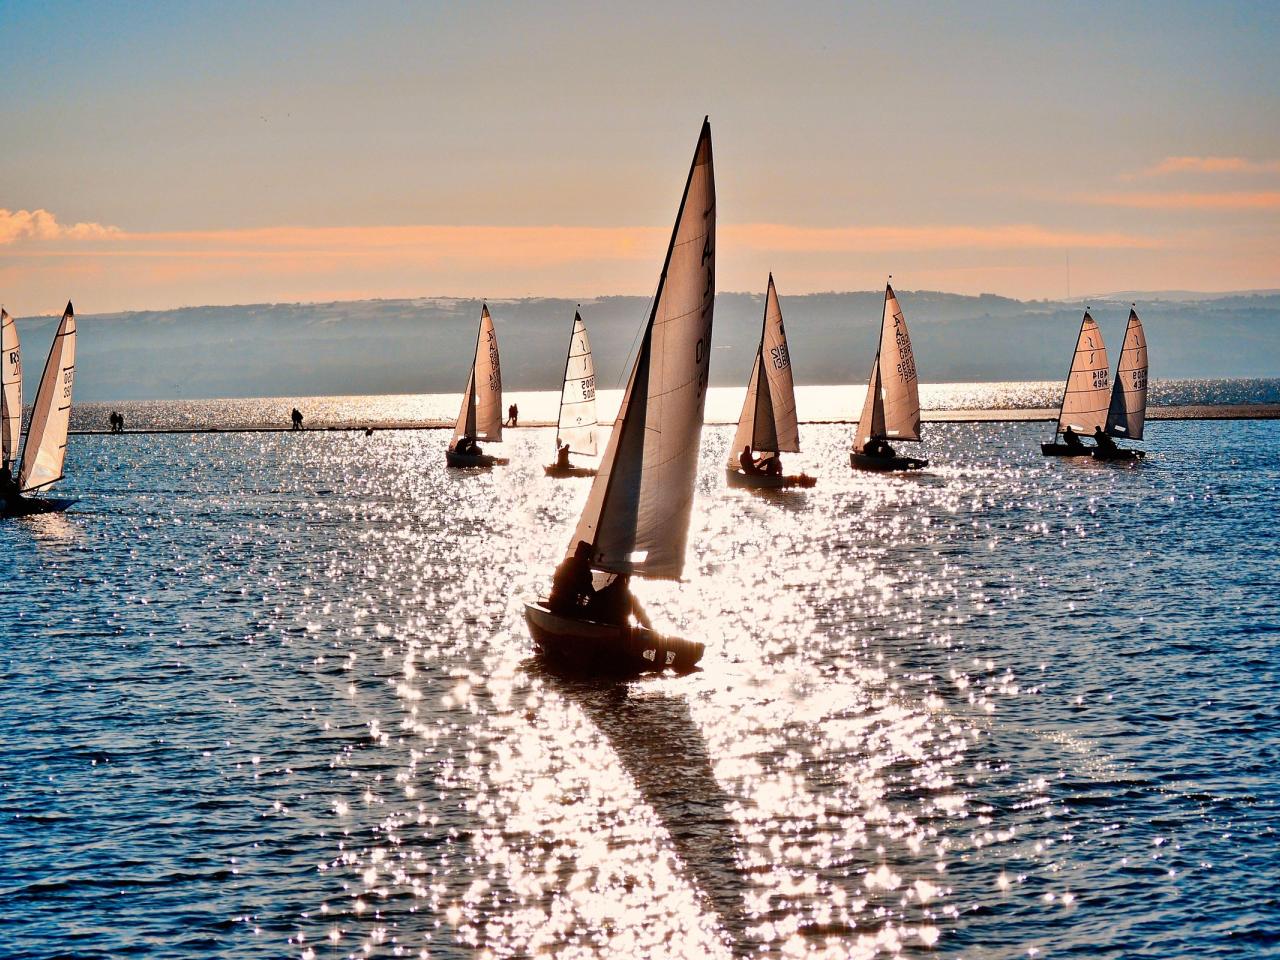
pixel 480 417
pixel 637 514
pixel 577 424
pixel 768 420
pixel 1085 401
pixel 10 389
pixel 892 408
pixel 1128 411
pixel 45 448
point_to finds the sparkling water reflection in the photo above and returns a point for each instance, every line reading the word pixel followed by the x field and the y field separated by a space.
pixel 271 695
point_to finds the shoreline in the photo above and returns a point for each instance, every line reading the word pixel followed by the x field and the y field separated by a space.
pixel 1238 411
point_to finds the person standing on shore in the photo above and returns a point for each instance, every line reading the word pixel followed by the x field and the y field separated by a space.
pixel 296 416
pixel 513 416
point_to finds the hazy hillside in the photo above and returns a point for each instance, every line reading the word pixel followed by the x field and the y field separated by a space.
pixel 424 346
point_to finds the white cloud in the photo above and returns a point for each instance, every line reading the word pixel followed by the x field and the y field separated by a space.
pixel 19 225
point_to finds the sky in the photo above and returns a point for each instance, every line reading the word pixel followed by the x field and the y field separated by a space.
pixel 163 155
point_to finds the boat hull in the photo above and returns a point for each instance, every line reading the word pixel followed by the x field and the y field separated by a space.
pixel 33 506
pixel 583 646
pixel 766 481
pixel 860 461
pixel 465 461
pixel 554 470
pixel 1118 455
pixel 1063 450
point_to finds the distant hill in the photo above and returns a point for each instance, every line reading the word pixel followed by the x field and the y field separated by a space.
pixel 424 346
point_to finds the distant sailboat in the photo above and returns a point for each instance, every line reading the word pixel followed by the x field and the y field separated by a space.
pixel 576 428
pixel 636 520
pixel 44 450
pixel 891 410
pixel 767 424
pixel 1084 399
pixel 1127 414
pixel 480 417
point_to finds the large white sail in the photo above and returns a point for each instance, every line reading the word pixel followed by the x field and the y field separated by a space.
pixel 480 416
pixel 637 514
pixel 45 448
pixel 768 420
pixel 1085 400
pixel 892 408
pixel 577 424
pixel 1128 413
pixel 10 389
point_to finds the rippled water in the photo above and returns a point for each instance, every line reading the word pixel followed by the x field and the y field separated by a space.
pixel 814 403
pixel 271 695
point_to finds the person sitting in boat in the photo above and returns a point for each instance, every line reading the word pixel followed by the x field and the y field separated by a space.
pixel 748 463
pixel 771 465
pixel 1072 439
pixel 562 457
pixel 1104 442
pixel 877 447
pixel 9 492
pixel 467 447
pixel 614 603
pixel 571 586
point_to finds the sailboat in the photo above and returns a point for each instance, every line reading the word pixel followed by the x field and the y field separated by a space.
pixel 767 424
pixel 44 450
pixel 636 519
pixel 576 428
pixel 480 417
pixel 1084 399
pixel 1128 411
pixel 892 408
pixel 10 391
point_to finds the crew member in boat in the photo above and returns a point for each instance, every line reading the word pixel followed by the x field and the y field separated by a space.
pixel 771 465
pixel 1104 442
pixel 748 462
pixel 571 586
pixel 1072 439
pixel 562 457
pixel 614 603
pixel 9 492
pixel 467 447
pixel 876 447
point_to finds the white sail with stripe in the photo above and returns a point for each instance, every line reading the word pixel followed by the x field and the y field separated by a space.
pixel 891 410
pixel 1128 413
pixel 577 424
pixel 10 390
pixel 1085 400
pixel 45 449
pixel 480 416
pixel 636 519
pixel 768 421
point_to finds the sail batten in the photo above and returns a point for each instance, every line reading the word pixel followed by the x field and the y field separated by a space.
pixel 577 424
pixel 1128 411
pixel 480 416
pixel 10 389
pixel 44 451
pixel 1085 399
pixel 637 514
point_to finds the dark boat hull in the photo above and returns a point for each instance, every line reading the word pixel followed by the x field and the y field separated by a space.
pixel 554 470
pixel 1118 455
pixel 582 646
pixel 766 481
pixel 465 461
pixel 33 506
pixel 860 461
pixel 1063 450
